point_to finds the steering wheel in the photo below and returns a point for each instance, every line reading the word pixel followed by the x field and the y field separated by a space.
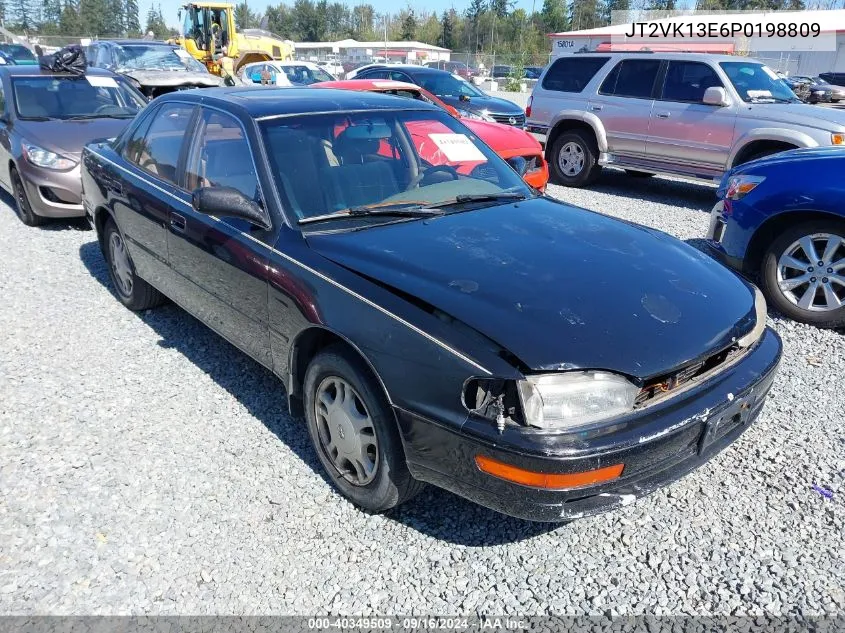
pixel 104 109
pixel 423 174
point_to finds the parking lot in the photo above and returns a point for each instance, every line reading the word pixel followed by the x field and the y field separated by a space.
pixel 148 467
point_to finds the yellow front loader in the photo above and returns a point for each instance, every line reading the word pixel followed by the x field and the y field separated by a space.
pixel 209 35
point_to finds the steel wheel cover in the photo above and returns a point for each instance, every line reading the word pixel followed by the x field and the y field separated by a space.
pixel 346 432
pixel 571 159
pixel 811 272
pixel 120 265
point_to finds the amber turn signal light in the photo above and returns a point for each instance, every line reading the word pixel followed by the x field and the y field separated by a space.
pixel 551 481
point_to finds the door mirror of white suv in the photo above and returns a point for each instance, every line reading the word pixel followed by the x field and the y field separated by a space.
pixel 715 95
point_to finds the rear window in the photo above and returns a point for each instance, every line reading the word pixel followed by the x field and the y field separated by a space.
pixel 572 74
pixel 632 78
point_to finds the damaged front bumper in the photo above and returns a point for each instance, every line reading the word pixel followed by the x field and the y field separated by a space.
pixel 657 446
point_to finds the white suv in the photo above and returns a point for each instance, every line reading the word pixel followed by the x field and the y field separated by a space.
pixel 693 115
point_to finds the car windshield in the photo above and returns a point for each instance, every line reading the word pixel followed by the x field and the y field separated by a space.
pixel 757 83
pixel 68 97
pixel 150 57
pixel 447 85
pixel 382 162
pixel 19 53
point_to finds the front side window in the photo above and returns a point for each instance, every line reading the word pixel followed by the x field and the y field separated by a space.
pixel 325 163
pixel 157 151
pixel 221 156
pixel 305 76
pixel 631 78
pixel 67 97
pixel 19 54
pixel 572 74
pixel 757 83
pixel 688 81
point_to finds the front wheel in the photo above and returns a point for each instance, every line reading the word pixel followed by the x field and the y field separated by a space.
pixel 803 273
pixel 133 292
pixel 574 159
pixel 354 432
pixel 22 207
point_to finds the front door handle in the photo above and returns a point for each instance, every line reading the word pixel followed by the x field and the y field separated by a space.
pixel 663 115
pixel 177 222
pixel 596 108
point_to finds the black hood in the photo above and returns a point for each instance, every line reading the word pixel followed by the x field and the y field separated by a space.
pixel 493 105
pixel 557 286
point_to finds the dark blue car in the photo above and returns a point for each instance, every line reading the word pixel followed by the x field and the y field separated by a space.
pixel 434 319
pixel 782 219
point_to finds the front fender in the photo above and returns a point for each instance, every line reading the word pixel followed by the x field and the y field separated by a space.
pixel 793 137
pixel 565 116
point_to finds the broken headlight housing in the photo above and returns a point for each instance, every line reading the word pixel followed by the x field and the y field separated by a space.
pixel 760 312
pixel 570 400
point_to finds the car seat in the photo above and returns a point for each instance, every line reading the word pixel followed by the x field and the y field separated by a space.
pixel 362 177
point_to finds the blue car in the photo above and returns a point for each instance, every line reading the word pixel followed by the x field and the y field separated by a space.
pixel 782 219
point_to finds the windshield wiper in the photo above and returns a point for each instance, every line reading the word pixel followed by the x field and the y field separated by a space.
pixel 82 117
pixel 504 196
pixel 773 100
pixel 410 210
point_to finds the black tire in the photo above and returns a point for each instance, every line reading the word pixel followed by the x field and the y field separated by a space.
pixel 140 295
pixel 22 207
pixel 392 483
pixel 769 274
pixel 586 143
pixel 633 173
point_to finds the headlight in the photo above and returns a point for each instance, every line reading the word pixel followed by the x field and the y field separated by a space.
pixel 478 116
pixel 572 399
pixel 760 325
pixel 741 185
pixel 45 158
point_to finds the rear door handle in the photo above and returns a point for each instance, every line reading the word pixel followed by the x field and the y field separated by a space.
pixel 596 108
pixel 177 222
pixel 663 115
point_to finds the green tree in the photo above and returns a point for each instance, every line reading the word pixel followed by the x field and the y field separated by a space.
pixel 553 16
pixel 584 14
pixel 132 23
pixel 69 21
pixel 113 19
pixel 409 26
pixel 363 22
pixel 614 5
pixel 244 17
pixel 93 16
pixel 447 28
pixel 20 17
pixel 51 16
pixel 155 23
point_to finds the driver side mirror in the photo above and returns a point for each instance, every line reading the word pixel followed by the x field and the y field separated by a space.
pixel 227 202
pixel 464 98
pixel 716 96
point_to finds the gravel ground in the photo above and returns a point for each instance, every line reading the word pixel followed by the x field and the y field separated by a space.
pixel 147 467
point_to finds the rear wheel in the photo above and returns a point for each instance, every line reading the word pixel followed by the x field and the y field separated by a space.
pixel 574 159
pixel 354 432
pixel 803 273
pixel 133 292
pixel 22 207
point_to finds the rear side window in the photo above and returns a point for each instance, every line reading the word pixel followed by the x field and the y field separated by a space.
pixel 572 74
pixel 157 151
pixel 687 81
pixel 632 78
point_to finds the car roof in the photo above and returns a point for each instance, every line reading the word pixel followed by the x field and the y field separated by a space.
pixel 260 101
pixel 36 71
pixel 694 57
pixel 412 69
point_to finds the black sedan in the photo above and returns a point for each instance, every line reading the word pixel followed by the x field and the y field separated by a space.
pixel 435 320
pixel 471 102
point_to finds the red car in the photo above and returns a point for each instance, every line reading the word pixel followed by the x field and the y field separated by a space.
pixel 507 141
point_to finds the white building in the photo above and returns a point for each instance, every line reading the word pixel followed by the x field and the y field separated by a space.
pixel 795 56
pixel 353 50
